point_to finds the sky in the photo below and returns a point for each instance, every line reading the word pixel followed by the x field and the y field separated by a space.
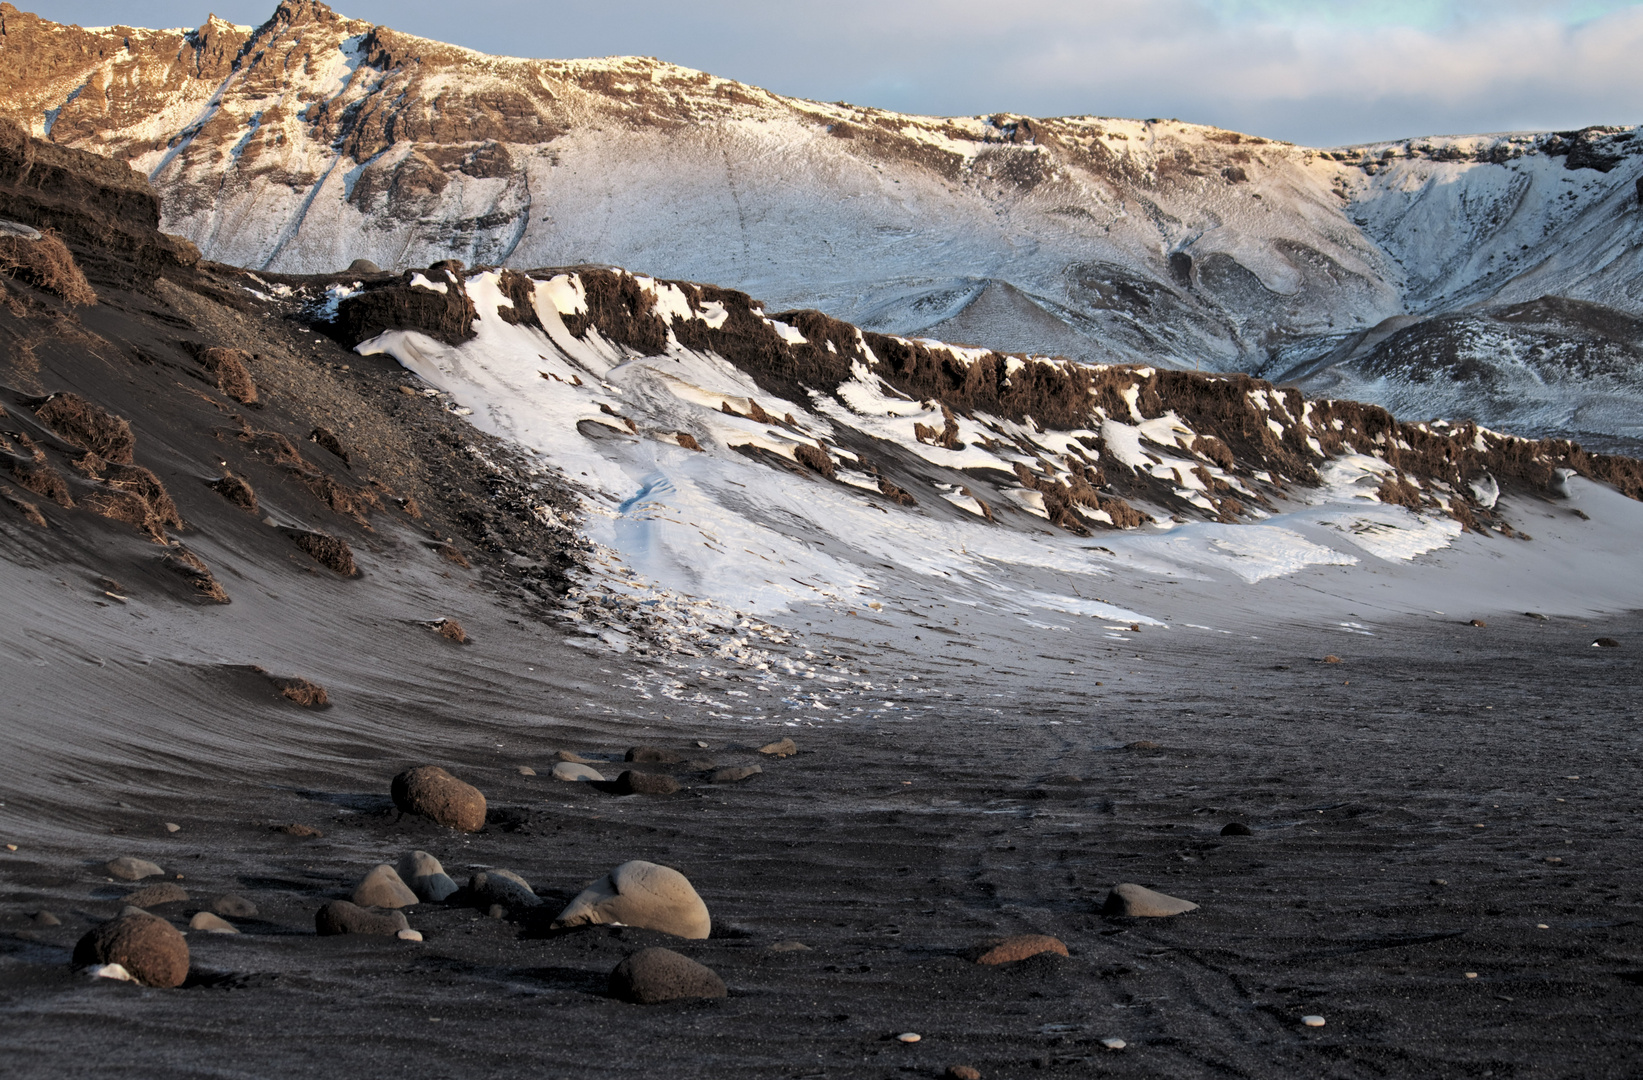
pixel 1321 73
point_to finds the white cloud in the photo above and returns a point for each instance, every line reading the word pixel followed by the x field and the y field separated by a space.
pixel 1329 73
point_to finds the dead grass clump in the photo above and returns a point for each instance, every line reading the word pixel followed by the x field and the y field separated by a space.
pixel 232 374
pixel 895 494
pixel 328 551
pixel 179 560
pixel 1124 516
pixel 1398 491
pixel 38 477
pixel 237 491
pixel 327 438
pixel 310 695
pixel 451 630
pixel 350 502
pixel 46 263
pixel 124 506
pixel 986 511
pixel 450 554
pixel 815 459
pixel 24 507
pixel 622 310
pixel 90 426
pixel 688 441
pixel 271 445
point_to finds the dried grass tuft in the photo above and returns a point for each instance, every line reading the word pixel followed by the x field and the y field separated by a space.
pixel 310 695
pixel 46 263
pixel 328 551
pixel 327 439
pixel 450 554
pixel 237 491
pixel 688 441
pixel 813 458
pixel 232 374
pixel 179 560
pixel 79 421
pixel 451 630
pixel 24 507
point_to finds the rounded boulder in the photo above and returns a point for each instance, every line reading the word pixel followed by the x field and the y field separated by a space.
pixel 426 877
pixel 128 869
pixel 503 887
pixel 571 770
pixel 633 782
pixel 383 888
pixel 1008 950
pixel 644 895
pixel 151 949
pixel 433 793
pixel 652 976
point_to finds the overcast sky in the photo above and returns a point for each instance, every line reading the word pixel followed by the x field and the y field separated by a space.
pixel 1323 73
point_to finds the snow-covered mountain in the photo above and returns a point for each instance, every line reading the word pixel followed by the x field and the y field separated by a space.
pixel 315 140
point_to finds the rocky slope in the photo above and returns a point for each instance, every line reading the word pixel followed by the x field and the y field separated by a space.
pixel 314 140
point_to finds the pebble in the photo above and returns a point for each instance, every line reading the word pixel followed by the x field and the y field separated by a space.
pixel 503 888
pixel 655 975
pixel 11 847
pixel 433 793
pixel 1114 1043
pixel 1313 1021
pixel 164 893
pixel 128 869
pixel 422 872
pixel 1236 828
pixel 1134 901
pixel 1439 881
pixel 46 918
pixel 151 949
pixel 1332 659
pixel 1606 643
pixel 234 906
pixel 909 1037
pixel 1471 974
pixel 573 757
pixel 571 770
pixel 780 748
pixel 640 894
pixel 211 924
pixel 731 774
pixel 700 745
pixel 963 1072
pixel 172 826
pixel 342 917
pixel 110 971
pixel 1477 622
pixel 526 770
pixel 383 888
pixel 1008 950
pixel 409 935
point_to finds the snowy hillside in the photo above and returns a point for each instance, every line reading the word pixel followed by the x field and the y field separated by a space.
pixel 315 140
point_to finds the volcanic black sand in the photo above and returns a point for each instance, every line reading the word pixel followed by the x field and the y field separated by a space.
pixel 1446 800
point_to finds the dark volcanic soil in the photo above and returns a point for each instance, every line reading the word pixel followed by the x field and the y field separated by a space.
pixel 1406 809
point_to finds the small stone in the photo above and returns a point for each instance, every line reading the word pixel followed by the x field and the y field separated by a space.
pixel 431 792
pixel 1136 902
pixel 498 886
pixel 1554 860
pixel 1471 974
pixel 307 832
pixel 700 745
pixel 732 774
pixel 128 869
pixel 1438 881
pixel 526 770
pixel 788 946
pixel 11 847
pixel 383 888
pixel 46 918
pixel 573 757
pixel 655 975
pixel 654 755
pixel 409 935
pixel 570 770
pixel 962 1072
pixel 1332 659
pixel 342 917
pixel 151 949
pixel 211 924
pixel 909 1037
pixel 110 971
pixel 234 906
pixel 1236 828
pixel 1008 950
pixel 780 748
pixel 1313 1021
pixel 422 872
pixel 640 783
pixel 1542 926
pixel 1477 622
pixel 172 826
pixel 640 894
pixel 163 893
pixel 1606 643
pixel 1114 1043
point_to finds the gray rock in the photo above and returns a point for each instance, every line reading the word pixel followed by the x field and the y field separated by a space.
pixel 128 869
pixel 1236 828
pixel 422 872
pixel 363 266
pixel 46 918
pixel 211 924
pixel 382 888
pixel 234 906
pixel 570 770
pixel 731 774
pixel 342 917
pixel 651 976
pixel 642 783
pixel 502 887
pixel 165 892
pixel 526 770
pixel 779 748
pixel 640 894
pixel 1137 902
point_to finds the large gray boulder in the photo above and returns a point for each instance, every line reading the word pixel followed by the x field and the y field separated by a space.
pixel 640 894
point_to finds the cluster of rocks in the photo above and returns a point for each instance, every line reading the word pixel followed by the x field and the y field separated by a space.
pixel 578 768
